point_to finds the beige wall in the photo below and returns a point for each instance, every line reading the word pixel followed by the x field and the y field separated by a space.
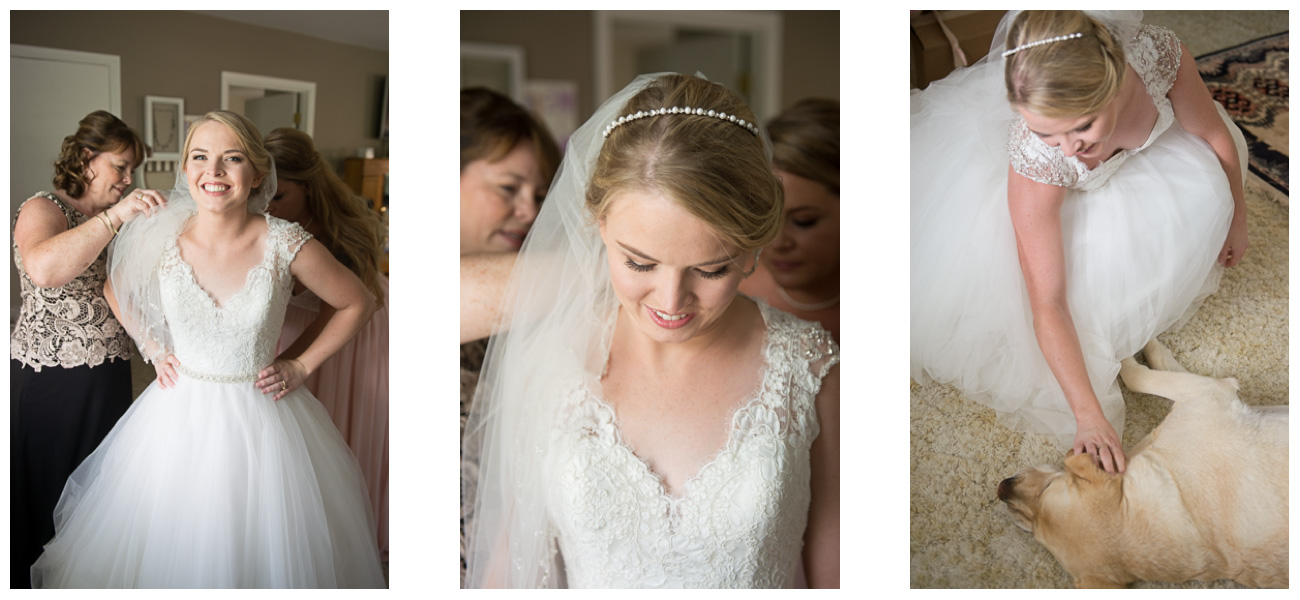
pixel 181 54
pixel 557 45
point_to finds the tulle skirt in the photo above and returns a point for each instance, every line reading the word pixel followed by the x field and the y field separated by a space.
pixel 214 485
pixel 352 385
pixel 1140 255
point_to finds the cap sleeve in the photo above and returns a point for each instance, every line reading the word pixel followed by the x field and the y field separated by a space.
pixel 288 238
pixel 1035 160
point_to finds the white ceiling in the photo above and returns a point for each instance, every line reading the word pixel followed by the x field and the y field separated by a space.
pixel 366 28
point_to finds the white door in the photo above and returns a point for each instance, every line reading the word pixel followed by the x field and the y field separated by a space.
pixel 50 91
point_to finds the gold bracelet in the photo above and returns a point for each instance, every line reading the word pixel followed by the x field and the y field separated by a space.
pixel 107 223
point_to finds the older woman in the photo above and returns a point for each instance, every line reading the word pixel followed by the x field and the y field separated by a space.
pixel 73 356
pixel 507 160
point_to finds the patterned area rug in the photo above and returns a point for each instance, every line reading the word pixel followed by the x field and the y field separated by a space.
pixel 1251 82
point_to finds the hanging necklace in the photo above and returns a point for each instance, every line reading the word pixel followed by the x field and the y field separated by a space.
pixel 806 307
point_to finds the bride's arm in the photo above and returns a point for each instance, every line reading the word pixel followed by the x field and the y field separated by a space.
pixel 1195 110
pixel 1036 217
pixel 164 363
pixel 821 550
pixel 336 286
pixel 482 284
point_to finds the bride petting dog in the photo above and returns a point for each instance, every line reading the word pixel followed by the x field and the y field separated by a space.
pixel 1204 496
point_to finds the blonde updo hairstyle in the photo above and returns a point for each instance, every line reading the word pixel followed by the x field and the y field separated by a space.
pixel 1064 79
pixel 250 141
pixel 716 170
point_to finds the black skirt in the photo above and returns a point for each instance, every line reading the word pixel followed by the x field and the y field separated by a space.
pixel 58 417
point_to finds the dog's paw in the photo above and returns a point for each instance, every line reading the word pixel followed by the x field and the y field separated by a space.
pixel 1159 357
pixel 1130 371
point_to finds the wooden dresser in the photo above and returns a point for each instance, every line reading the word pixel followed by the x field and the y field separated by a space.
pixel 366 177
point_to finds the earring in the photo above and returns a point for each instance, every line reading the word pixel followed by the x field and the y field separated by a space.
pixel 751 270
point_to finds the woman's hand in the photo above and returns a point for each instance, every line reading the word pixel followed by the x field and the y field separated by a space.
pixel 165 368
pixel 1235 246
pixel 1096 437
pixel 138 202
pixel 282 377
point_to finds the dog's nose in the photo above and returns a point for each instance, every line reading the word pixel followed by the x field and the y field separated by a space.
pixel 1004 488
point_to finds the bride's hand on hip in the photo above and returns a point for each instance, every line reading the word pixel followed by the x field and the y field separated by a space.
pixel 1097 438
pixel 282 377
pixel 138 202
pixel 165 368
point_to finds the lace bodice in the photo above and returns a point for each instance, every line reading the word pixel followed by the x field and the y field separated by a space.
pixel 70 325
pixel 739 522
pixel 234 341
pixel 1154 53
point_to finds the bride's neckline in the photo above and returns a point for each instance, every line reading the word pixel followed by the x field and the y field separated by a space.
pixel 682 492
pixel 1138 100
pixel 248 276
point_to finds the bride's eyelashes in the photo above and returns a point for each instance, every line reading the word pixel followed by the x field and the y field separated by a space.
pixel 719 274
pixel 640 268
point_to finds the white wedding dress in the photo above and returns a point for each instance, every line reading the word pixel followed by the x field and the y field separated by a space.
pixel 212 484
pixel 738 523
pixel 1141 233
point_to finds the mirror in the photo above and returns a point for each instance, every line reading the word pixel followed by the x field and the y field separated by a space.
pixel 741 50
pixel 270 102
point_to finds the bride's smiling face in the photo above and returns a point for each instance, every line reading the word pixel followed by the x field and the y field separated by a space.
pixel 218 170
pixel 1085 136
pixel 672 274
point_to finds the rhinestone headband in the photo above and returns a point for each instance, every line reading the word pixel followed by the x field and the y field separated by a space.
pixel 1059 38
pixel 752 128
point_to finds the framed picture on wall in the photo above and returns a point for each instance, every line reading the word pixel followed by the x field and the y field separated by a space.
pixel 164 123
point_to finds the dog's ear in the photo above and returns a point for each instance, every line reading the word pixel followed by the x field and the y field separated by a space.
pixel 1084 466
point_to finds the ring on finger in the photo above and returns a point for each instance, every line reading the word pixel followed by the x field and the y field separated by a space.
pixel 284 385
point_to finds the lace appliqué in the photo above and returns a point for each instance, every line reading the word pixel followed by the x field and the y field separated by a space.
pixel 738 523
pixel 70 325
pixel 1155 54
pixel 227 342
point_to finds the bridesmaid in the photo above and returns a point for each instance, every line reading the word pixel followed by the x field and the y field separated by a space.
pixel 353 383
pixel 800 272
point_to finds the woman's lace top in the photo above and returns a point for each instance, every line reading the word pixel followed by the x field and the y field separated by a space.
pixel 70 325
pixel 739 522
pixel 236 340
pixel 1155 54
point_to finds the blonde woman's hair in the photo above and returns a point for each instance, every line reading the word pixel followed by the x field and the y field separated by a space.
pixel 250 141
pixel 806 141
pixel 715 169
pixel 1064 79
pixel 351 230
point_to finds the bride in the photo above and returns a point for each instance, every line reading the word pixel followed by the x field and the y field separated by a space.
pixel 638 423
pixel 209 480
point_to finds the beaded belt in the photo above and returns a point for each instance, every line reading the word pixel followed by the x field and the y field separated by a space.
pixel 192 374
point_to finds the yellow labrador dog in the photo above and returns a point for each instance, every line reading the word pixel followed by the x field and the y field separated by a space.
pixel 1204 496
